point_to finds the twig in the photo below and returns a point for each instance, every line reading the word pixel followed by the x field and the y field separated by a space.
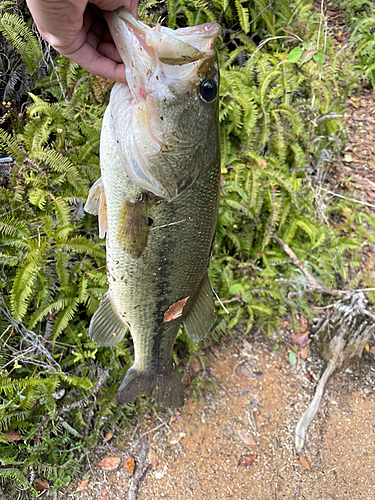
pixel 296 261
pixel 220 302
pixel 154 429
pixel 348 331
pixel 76 404
pixel 310 413
pixel 170 224
pixel 330 291
pixel 139 471
pixel 261 12
pixel 348 199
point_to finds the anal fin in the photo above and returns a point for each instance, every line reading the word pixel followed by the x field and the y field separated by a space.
pixel 96 204
pixel 106 327
pixel 201 318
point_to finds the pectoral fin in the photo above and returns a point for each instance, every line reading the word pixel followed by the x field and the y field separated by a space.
pixel 201 318
pixel 106 327
pixel 96 205
pixel 133 227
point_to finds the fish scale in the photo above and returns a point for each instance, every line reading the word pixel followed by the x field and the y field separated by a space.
pixel 158 249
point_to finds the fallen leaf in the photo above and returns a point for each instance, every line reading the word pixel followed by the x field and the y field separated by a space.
pixel 175 310
pixel 301 339
pixel 105 494
pixel 83 485
pixel 109 463
pixel 247 438
pixel 195 366
pixel 284 324
pixel 243 371
pixel 348 158
pixel 292 358
pixel 177 438
pixel 41 484
pixel 303 323
pixel 304 353
pixel 107 437
pixel 304 462
pixel 12 435
pixel 372 350
pixel 309 377
pixel 152 458
pixel 128 464
pixel 247 460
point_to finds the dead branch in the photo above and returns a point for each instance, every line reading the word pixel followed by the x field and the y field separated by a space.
pixel 343 336
pixel 296 261
pixel 141 468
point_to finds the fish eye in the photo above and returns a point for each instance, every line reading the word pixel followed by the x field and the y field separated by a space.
pixel 208 90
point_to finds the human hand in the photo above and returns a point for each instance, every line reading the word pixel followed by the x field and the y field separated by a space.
pixel 77 29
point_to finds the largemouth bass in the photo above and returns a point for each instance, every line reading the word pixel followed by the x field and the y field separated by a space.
pixel 157 199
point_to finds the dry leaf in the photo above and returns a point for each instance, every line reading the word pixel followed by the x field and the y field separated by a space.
pixel 247 460
pixel 303 322
pixel 107 437
pixel 152 458
pixel 177 438
pixel 300 339
pixel 12 435
pixel 175 310
pixel 243 371
pixel 304 353
pixel 284 324
pixel 195 366
pixel 83 485
pixel 304 462
pixel 372 350
pixel 247 438
pixel 128 464
pixel 109 463
pixel 41 484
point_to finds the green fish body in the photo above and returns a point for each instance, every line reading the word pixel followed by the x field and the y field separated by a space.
pixel 157 199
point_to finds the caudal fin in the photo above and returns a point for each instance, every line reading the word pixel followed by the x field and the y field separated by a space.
pixel 166 387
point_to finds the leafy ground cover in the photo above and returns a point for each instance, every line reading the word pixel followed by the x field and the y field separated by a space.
pixel 283 242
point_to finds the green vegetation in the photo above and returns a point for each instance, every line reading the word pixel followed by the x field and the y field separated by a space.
pixel 281 123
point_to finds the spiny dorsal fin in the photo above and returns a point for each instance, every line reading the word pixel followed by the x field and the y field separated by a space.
pixel 201 318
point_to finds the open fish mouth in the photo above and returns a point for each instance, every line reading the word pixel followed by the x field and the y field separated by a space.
pixel 149 115
pixel 159 52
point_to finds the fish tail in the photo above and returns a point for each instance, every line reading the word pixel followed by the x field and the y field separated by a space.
pixel 165 387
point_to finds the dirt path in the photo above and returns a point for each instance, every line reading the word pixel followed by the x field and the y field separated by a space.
pixel 259 396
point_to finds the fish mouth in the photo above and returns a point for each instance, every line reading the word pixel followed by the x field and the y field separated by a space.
pixel 161 65
pixel 159 52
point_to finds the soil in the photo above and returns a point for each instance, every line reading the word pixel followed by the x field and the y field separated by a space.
pixel 238 441
pixel 202 450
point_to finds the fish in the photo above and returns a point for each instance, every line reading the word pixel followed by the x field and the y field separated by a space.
pixel 157 199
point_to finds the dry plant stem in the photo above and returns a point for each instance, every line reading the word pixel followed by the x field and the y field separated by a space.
pixel 296 261
pixel 310 413
pixel 349 199
pixel 139 471
pixel 76 404
pixel 347 329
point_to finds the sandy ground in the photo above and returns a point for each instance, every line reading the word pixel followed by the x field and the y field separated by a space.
pixel 259 398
